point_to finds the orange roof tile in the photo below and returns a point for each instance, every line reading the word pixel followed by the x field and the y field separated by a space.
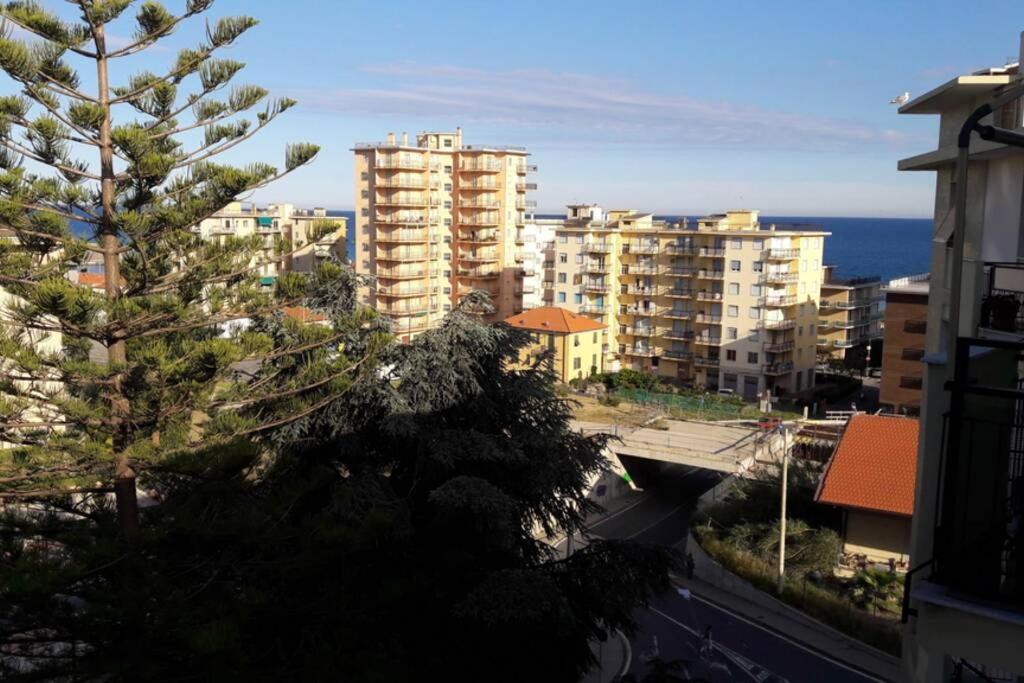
pixel 874 466
pixel 553 319
pixel 91 279
pixel 303 314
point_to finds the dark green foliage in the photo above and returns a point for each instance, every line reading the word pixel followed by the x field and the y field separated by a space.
pixel 630 379
pixel 399 549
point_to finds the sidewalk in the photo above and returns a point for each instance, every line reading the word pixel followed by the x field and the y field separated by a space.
pixel 613 659
pixel 717 585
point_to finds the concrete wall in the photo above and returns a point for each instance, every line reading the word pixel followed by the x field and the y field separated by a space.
pixel 878 536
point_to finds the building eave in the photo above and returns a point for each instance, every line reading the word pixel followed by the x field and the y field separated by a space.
pixel 955 92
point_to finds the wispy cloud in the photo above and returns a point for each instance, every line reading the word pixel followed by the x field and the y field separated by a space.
pixel 586 108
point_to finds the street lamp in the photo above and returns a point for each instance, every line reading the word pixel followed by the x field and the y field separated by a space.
pixel 781 429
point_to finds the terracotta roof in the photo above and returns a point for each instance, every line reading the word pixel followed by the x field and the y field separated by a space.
pixel 303 314
pixel 553 319
pixel 874 466
pixel 92 279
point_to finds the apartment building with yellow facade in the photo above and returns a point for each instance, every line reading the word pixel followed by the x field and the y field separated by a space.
pixel 289 235
pixel 436 219
pixel 849 314
pixel 727 303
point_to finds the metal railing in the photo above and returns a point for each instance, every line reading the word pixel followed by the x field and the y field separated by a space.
pixel 775 324
pixel 780 254
pixel 678 293
pixel 979 531
pixel 777 368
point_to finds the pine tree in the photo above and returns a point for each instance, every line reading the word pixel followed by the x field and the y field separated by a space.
pixel 103 388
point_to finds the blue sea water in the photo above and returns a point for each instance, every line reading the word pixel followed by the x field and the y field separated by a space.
pixel 887 247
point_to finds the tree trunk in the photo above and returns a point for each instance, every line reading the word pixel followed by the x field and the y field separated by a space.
pixel 124 484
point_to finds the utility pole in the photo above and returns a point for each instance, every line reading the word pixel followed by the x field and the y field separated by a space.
pixel 782 517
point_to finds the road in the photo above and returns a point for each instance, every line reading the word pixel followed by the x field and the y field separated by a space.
pixel 741 650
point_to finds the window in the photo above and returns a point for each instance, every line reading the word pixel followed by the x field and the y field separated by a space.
pixel 803 288
pixel 799 353
pixel 576 341
pixel 755 290
pixel 447 142
pixel 730 332
pixel 447 222
pixel 447 187
pixel 595 341
pixel 754 336
pixel 561 297
pixel 563 239
pixel 365 211
pixel 734 266
pixel 579 259
pixel 447 168
pixel 910 382
pixel 577 299
pixel 757 266
pixel 447 239
pixel 734 288
pixel 752 357
pixel 447 203
pixel 366 246
pixel 729 380
pixel 365 194
pixel 758 245
pixel 447 257
pixel 447 273
pixel 754 313
pixel 915 326
pixel 730 354
pixel 561 278
pixel 799 331
pixel 576 363
pixel 579 239
pixel 364 175
pixel 447 290
pixel 912 354
pixel 737 244
pixel 733 311
pixel 563 258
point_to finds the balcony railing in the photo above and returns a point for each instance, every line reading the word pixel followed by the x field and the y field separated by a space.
pixel 680 272
pixel 478 185
pixel 597 287
pixel 711 274
pixel 648 312
pixel 632 269
pixel 641 290
pixel 402 218
pixel 485 219
pixel 776 301
pixel 597 247
pixel 712 252
pixel 480 165
pixel 676 314
pixel 411 163
pixel 396 292
pixel 401 273
pixel 639 248
pixel 402 255
pixel 979 538
pixel 416 199
pixel 776 324
pixel 709 296
pixel 682 249
pixel 707 319
pixel 402 182
pixel 676 354
pixel 778 347
pixel 593 309
pixel 524 187
pixel 479 257
pixel 681 335
pixel 641 351
pixel 779 277
pixel 594 267
pixel 639 331
pixel 707 340
pixel 403 237
pixel 706 361
pixel 777 368
pixel 482 237
pixel 1002 307
pixel 466 203
pixel 775 254
pixel 678 293
pixel 479 273
pixel 409 309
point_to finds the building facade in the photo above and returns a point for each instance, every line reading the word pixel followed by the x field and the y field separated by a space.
pixel 906 330
pixel 726 303
pixel 538 237
pixel 290 242
pixel 435 220
pixel 849 317
pixel 574 341
pixel 966 608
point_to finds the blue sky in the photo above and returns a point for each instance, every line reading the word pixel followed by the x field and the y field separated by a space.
pixel 674 107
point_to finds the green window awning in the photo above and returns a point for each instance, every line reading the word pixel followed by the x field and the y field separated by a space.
pixel 264 221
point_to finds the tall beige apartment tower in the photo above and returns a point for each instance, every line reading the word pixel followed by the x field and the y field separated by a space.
pixel 436 220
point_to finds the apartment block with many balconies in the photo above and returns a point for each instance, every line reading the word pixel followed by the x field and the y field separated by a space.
pixel 727 303
pixel 435 220
pixel 288 235
pixel 965 614
pixel 849 314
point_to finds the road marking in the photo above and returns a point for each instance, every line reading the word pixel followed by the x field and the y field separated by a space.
pixel 817 653
pixel 654 524
pixel 629 507
pixel 725 651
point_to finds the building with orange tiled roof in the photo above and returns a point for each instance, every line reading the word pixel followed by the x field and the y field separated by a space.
pixel 576 340
pixel 871 477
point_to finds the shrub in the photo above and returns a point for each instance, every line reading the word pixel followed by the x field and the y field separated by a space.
pixel 609 400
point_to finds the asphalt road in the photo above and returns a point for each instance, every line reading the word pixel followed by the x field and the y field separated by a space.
pixel 739 649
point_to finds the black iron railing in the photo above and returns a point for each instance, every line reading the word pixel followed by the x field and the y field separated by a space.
pixel 979 536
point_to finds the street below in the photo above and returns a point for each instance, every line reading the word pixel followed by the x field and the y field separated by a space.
pixel 702 638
